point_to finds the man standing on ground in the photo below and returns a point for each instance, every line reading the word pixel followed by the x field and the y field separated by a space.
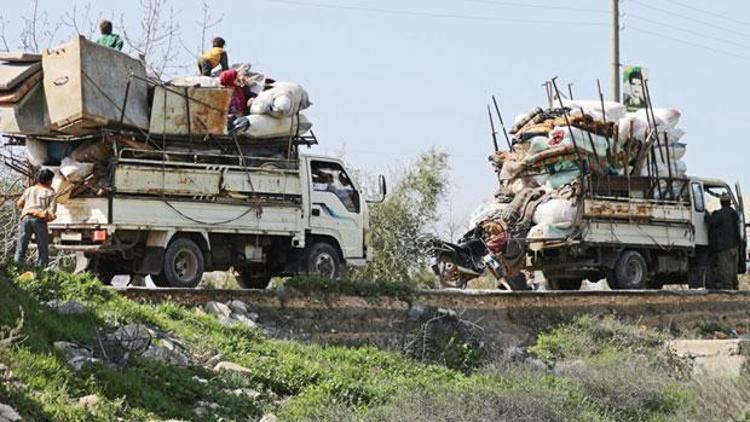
pixel 108 39
pixel 724 235
pixel 214 57
pixel 38 207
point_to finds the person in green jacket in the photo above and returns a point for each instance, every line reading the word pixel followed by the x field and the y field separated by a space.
pixel 108 39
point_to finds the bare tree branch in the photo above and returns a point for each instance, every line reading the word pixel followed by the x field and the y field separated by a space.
pixel 157 33
pixel 37 29
pixel 3 39
pixel 83 23
pixel 207 23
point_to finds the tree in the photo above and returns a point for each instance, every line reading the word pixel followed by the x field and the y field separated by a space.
pixel 400 225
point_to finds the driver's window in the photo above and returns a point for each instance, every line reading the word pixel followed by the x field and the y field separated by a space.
pixel 331 177
pixel 700 205
pixel 713 195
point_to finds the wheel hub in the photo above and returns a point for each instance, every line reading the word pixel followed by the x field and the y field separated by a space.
pixel 325 266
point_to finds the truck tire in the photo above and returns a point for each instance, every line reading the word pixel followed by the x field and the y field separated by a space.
pixel 183 265
pixel 630 272
pixel 565 283
pixel 253 276
pixel 323 260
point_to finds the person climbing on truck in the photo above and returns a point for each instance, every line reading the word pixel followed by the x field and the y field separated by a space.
pixel 108 39
pixel 38 208
pixel 724 241
pixel 213 57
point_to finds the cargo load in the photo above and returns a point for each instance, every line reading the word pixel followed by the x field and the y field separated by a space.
pixel 87 85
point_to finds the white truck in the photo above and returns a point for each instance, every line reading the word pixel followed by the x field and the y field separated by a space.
pixel 175 214
pixel 636 242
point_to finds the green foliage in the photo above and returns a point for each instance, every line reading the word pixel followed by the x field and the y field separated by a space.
pixel 311 285
pixel 603 370
pixel 399 225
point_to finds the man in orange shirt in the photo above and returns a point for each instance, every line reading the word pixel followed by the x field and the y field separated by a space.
pixel 214 57
pixel 38 207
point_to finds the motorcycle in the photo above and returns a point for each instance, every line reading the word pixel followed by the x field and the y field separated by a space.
pixel 456 264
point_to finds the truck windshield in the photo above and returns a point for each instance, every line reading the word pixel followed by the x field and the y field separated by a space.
pixel 331 177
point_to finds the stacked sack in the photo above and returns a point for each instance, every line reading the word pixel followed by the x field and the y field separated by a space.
pixel 275 108
pixel 539 177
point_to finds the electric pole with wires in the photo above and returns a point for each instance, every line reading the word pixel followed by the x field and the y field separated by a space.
pixel 615 82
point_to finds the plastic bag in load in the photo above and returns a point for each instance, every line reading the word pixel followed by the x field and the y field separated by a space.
pixel 590 142
pixel 679 168
pixel 75 171
pixel 36 152
pixel 192 81
pixel 613 111
pixel 556 211
pixel 547 232
pixel 265 126
pixel 284 99
pixel 487 209
pixel 676 151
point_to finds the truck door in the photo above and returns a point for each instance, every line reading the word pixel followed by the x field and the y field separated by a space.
pixel 336 207
pixel 699 213
pixel 743 232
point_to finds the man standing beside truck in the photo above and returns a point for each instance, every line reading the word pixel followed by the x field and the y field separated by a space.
pixel 724 241
pixel 38 208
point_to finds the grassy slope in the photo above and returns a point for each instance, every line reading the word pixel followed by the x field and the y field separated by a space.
pixel 299 381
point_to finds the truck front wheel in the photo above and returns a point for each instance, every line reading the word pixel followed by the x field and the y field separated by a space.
pixel 323 260
pixel 630 272
pixel 183 265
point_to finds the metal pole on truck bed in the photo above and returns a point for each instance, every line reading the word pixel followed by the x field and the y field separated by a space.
pixel 502 124
pixel 492 127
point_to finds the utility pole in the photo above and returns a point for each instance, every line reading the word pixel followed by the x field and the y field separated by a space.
pixel 615 47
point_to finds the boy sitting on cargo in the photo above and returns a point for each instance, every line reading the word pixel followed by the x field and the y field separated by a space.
pixel 38 207
pixel 108 39
pixel 214 57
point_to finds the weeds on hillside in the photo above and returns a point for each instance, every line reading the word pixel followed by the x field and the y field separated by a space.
pixel 10 335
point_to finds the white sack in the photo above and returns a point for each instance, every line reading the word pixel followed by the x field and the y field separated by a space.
pixel 676 151
pixel 613 111
pixel 265 126
pixel 191 81
pixel 556 211
pixel 679 168
pixel 485 210
pixel 283 100
pixel 547 231
pixel 75 171
pixel 36 152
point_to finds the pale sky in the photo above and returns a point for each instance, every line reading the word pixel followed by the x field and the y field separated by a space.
pixel 389 79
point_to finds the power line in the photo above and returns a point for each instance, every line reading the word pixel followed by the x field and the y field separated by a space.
pixel 687 31
pixel 690 43
pixel 708 12
pixel 671 13
pixel 432 15
pixel 537 6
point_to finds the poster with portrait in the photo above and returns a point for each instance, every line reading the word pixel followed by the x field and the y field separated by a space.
pixel 632 87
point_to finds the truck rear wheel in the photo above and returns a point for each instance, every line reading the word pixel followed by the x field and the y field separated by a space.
pixel 323 260
pixel 253 276
pixel 630 272
pixel 183 265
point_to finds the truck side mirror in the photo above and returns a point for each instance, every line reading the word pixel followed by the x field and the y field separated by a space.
pixel 382 191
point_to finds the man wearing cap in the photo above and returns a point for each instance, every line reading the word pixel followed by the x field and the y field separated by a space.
pixel 724 241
